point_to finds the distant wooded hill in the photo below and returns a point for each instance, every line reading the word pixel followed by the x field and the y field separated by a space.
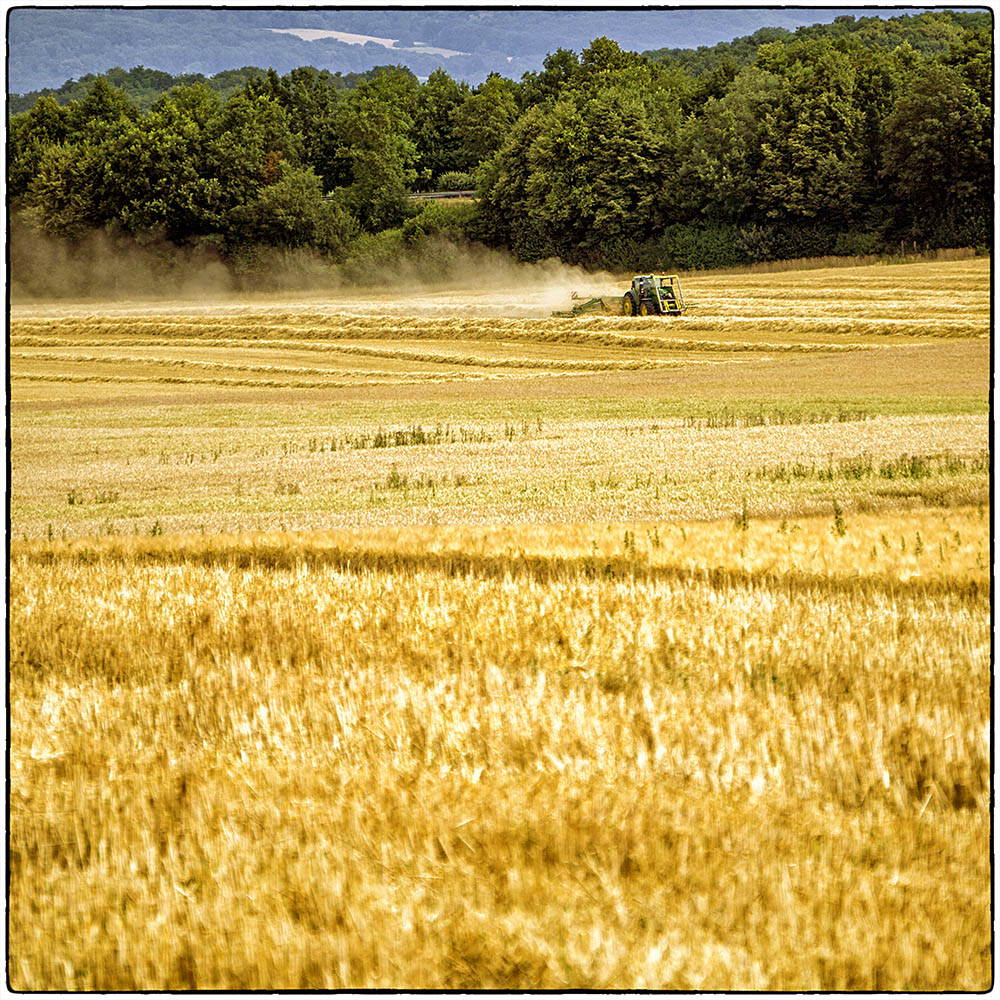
pixel 47 46
pixel 925 33
pixel 143 86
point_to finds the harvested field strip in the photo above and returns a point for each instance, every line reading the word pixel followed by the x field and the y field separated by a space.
pixel 438 359
pixel 319 374
pixel 852 297
pixel 584 330
pixel 80 359
pixel 939 279
pixel 463 352
pixel 767 554
pixel 893 296
pixel 180 380
pixel 271 383
pixel 855 327
pixel 539 569
pixel 857 291
pixel 300 759
pixel 319 340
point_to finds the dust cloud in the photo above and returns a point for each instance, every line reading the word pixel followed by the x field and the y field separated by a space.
pixel 435 277
pixel 99 265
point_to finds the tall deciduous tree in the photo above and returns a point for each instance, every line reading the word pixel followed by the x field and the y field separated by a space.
pixel 938 150
pixel 559 72
pixel 311 100
pixel 720 150
pixel 811 162
pixel 29 135
pixel 250 137
pixel 375 126
pixel 292 213
pixel 102 109
pixel 439 148
pixel 878 82
pixel 60 198
pixel 503 212
pixel 76 184
pixel 579 174
pixel 485 118
pixel 170 174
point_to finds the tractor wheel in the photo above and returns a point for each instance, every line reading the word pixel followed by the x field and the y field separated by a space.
pixel 643 309
pixel 628 304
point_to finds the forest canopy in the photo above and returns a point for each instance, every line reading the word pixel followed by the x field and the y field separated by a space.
pixel 843 138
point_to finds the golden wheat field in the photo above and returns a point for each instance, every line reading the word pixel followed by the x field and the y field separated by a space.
pixel 421 639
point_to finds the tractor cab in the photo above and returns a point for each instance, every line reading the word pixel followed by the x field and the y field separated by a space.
pixel 654 295
pixel 670 290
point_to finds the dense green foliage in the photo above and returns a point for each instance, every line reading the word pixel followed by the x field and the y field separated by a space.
pixel 813 143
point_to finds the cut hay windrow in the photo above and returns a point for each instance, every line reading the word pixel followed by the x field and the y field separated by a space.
pixel 256 383
pixel 363 377
pixel 334 344
pixel 96 359
pixel 556 364
pixel 325 339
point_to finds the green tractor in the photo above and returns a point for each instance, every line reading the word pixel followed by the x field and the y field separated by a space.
pixel 654 295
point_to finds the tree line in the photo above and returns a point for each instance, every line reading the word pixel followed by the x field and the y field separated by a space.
pixel 143 86
pixel 819 144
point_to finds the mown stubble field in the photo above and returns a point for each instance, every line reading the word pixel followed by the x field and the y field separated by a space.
pixel 367 642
